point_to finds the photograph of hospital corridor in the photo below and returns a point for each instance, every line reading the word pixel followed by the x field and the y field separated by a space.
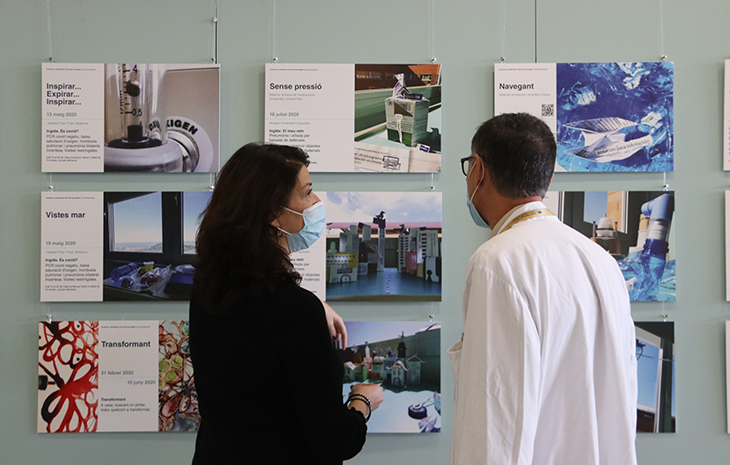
pixel 149 244
pixel 404 357
pixel 383 246
pixel 656 412
pixel 634 227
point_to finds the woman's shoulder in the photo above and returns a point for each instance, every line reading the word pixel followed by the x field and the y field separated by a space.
pixel 297 295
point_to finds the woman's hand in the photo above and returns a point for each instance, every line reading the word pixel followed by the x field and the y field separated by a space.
pixel 335 324
pixel 373 392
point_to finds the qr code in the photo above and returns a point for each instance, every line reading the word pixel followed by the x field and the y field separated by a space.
pixel 547 109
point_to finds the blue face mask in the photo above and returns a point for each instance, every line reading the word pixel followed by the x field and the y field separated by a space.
pixel 314 221
pixel 478 220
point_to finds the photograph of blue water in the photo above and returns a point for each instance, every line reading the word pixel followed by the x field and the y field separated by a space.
pixel 615 116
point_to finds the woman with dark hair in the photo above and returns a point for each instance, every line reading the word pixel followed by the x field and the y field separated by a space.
pixel 267 374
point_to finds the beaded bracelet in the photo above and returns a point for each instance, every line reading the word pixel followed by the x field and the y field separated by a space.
pixel 363 398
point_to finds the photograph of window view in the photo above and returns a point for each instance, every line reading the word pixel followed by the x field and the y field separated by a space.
pixel 404 358
pixel 635 227
pixel 383 246
pixel 656 411
pixel 149 244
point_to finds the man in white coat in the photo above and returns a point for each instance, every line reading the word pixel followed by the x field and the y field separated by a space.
pixel 546 369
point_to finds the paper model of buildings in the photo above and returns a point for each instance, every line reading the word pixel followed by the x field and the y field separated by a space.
pixel 413 376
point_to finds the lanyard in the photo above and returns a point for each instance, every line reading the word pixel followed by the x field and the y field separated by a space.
pixel 526 216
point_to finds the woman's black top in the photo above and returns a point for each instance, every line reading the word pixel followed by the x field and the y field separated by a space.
pixel 269 383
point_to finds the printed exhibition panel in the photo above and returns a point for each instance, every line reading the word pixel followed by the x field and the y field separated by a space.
pixel 656 403
pixel 605 116
pixel 404 358
pixel 635 227
pixel 727 371
pixel 130 117
pixel 111 376
pixel 726 119
pixel 727 246
pixel 119 245
pixel 357 117
pixel 132 246
pixel 383 246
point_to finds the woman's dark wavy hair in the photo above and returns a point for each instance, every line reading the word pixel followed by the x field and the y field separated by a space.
pixel 237 247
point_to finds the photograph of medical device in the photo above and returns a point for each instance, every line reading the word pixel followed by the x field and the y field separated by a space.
pixel 404 357
pixel 383 246
pixel 615 116
pixel 398 116
pixel 149 244
pixel 656 412
pixel 634 227
pixel 161 118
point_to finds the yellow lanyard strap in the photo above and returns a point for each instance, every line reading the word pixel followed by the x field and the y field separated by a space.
pixel 526 216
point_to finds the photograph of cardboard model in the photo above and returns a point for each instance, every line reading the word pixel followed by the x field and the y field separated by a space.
pixel 383 246
pixel 634 227
pixel 404 357
pixel 149 244
pixel 399 107
pixel 605 116
pixel 656 404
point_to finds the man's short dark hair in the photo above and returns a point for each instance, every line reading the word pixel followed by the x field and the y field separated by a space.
pixel 519 150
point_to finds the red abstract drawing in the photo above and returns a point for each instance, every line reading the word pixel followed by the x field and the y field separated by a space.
pixel 68 376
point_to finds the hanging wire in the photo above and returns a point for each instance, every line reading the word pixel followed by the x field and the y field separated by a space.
pixel 535 31
pixel 504 29
pixel 50 182
pixel 661 29
pixel 215 34
pixel 433 33
pixel 211 186
pixel 49 30
pixel 665 186
pixel 273 31
pixel 432 186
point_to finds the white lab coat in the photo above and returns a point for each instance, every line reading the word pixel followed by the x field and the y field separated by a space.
pixel 546 371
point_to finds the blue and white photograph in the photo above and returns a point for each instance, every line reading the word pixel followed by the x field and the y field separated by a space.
pixel 404 358
pixel 615 116
pixel 635 227
pixel 383 246
pixel 656 403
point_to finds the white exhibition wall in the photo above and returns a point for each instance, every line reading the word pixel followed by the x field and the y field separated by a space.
pixel 467 38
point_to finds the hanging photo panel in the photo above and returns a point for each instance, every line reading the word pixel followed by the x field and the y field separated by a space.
pixel 727 246
pixel 357 117
pixel 130 117
pixel 135 246
pixel 605 116
pixel 383 246
pixel 404 358
pixel 119 245
pixel 656 403
pixel 635 227
pixel 111 376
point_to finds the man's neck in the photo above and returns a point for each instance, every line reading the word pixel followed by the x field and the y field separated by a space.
pixel 503 205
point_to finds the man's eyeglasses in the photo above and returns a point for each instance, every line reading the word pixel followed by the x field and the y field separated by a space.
pixel 465 164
